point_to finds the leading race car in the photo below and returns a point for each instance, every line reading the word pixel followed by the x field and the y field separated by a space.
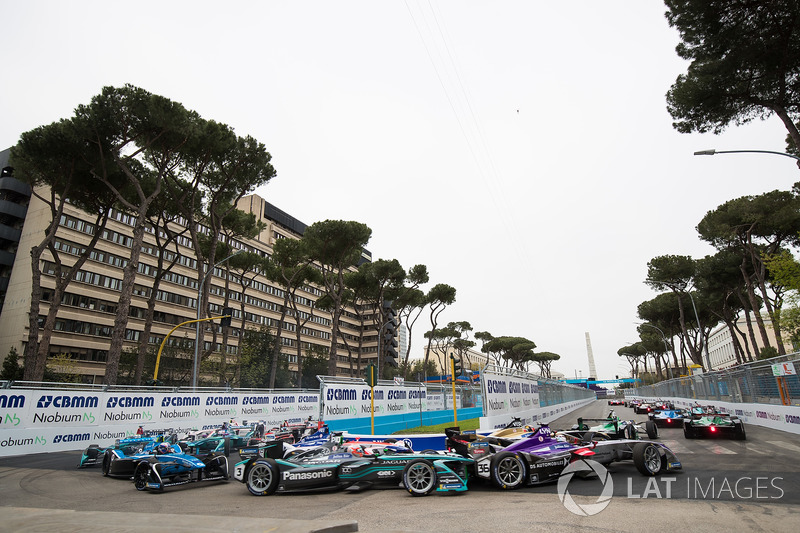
pixel 610 428
pixel 168 466
pixel 339 465
pixel 714 425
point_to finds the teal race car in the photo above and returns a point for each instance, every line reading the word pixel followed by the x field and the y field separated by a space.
pixel 610 428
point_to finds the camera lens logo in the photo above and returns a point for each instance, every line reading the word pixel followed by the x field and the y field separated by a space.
pixel 585 466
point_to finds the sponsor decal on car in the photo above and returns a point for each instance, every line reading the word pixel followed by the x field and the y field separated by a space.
pixel 302 476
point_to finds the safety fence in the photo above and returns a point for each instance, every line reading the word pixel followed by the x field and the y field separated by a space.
pixel 756 392
pixel 750 383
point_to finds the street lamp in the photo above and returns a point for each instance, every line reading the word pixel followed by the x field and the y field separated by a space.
pixel 666 348
pixel 697 318
pixel 715 152
pixel 197 338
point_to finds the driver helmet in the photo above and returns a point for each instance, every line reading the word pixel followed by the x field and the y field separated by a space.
pixel 163 448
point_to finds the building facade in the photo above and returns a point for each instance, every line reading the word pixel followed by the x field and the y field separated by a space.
pixel 721 345
pixel 86 314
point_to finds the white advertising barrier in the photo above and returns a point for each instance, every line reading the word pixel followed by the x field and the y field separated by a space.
pixel 508 395
pixel 344 401
pixel 782 417
pixel 37 420
pixel 538 415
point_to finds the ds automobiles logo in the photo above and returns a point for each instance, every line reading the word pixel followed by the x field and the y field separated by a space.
pixel 587 509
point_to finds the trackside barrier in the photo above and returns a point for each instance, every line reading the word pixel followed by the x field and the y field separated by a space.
pixel 512 393
pixel 749 391
pixel 46 420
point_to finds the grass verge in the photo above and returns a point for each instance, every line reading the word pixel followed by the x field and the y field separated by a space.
pixel 469 424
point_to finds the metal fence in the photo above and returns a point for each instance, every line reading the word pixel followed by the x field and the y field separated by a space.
pixel 749 383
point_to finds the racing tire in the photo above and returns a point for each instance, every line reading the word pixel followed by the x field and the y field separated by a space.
pixel 588 437
pixel 652 429
pixel 429 452
pixel 647 458
pixel 226 446
pixel 142 475
pixel 507 471
pixel 629 432
pixel 688 431
pixel 106 466
pixel 739 432
pixel 262 478
pixel 419 477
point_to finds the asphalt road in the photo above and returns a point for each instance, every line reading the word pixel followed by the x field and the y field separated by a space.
pixel 725 485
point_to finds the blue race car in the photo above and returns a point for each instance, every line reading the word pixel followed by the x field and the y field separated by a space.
pixel 168 466
pixel 668 418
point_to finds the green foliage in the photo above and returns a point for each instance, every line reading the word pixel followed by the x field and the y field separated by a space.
pixel 768 352
pixel 11 368
pixel 744 63
pixel 255 358
pixel 62 368
pixel 315 363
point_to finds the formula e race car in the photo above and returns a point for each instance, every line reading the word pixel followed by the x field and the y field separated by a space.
pixel 716 425
pixel 610 428
pixel 353 465
pixel 668 418
pixel 168 466
pixel 616 401
pixel 95 455
pixel 542 456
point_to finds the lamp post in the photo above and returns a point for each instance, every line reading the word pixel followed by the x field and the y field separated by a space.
pixel 197 338
pixel 666 348
pixel 715 152
pixel 697 318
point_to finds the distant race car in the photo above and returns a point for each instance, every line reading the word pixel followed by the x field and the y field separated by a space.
pixel 616 401
pixel 95 455
pixel 668 418
pixel 339 465
pixel 643 408
pixel 168 467
pixel 716 425
pixel 610 428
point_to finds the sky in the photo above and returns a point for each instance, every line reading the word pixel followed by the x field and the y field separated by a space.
pixel 522 150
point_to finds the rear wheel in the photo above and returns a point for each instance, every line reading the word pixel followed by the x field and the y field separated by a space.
pixel 652 429
pixel 688 431
pixel 419 477
pixel 647 458
pixel 739 432
pixel 262 478
pixel 629 432
pixel 507 471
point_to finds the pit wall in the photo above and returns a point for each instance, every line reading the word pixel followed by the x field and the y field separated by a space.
pixel 782 417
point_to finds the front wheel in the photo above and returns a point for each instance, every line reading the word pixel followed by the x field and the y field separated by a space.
pixel 419 477
pixel 141 475
pixel 647 458
pixel 106 463
pixel 262 478
pixel 507 471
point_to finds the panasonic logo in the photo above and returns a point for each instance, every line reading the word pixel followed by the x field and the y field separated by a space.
pixel 300 476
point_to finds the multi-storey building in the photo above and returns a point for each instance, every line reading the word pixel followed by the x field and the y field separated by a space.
pixel 87 311
pixel 720 343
